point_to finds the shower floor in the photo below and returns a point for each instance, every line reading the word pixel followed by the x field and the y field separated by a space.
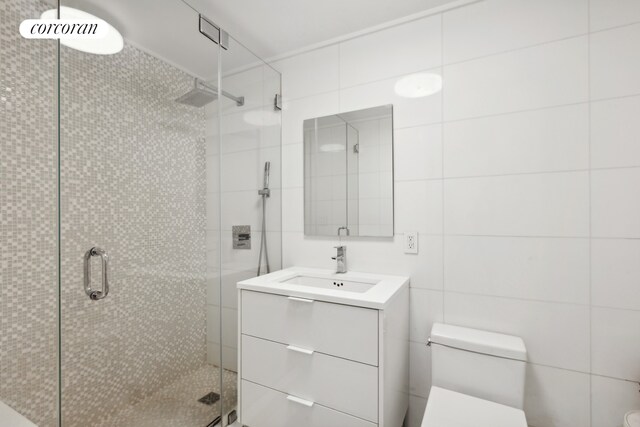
pixel 177 403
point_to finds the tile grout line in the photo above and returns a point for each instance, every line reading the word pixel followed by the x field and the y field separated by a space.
pixel 442 157
pixel 590 242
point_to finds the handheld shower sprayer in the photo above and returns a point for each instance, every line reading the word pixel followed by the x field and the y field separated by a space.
pixel 264 193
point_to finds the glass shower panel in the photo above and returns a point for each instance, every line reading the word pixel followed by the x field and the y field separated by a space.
pixel 28 219
pixel 250 171
pixel 137 186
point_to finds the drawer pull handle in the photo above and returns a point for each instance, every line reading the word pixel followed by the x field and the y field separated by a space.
pixel 300 299
pixel 303 402
pixel 299 349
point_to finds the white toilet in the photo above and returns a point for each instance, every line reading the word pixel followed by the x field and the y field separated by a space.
pixel 478 379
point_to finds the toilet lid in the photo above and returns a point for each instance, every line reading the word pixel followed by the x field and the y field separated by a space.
pixel 446 408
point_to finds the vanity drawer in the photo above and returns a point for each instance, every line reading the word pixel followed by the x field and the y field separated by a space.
pixel 337 383
pixel 335 329
pixel 264 407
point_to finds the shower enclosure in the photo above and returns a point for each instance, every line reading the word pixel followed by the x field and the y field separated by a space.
pixel 129 171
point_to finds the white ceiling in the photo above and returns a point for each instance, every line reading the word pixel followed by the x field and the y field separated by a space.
pixel 274 27
pixel 269 28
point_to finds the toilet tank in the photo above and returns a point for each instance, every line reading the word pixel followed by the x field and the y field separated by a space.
pixel 483 364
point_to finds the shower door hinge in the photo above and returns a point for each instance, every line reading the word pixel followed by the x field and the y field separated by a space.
pixel 213 32
pixel 277 102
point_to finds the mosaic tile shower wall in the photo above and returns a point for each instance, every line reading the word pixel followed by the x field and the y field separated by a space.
pixel 28 228
pixel 132 182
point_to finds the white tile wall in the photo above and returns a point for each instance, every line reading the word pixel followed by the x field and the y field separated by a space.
pixel 495 26
pixel 615 131
pixel 519 267
pixel 615 63
pixel 615 273
pixel 554 204
pixel 522 176
pixel 556 397
pixel 615 205
pixel 610 398
pixel 398 50
pixel 608 14
pixel 553 139
pixel 536 77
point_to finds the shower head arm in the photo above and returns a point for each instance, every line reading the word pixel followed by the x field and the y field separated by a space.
pixel 239 100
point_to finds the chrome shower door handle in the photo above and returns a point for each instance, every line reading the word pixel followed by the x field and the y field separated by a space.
pixel 92 293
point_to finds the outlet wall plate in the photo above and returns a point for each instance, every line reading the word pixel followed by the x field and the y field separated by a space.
pixel 410 242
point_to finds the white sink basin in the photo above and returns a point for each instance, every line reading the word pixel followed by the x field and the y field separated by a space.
pixel 355 284
pixel 311 284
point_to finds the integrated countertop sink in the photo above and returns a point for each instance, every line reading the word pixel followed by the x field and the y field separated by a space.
pixel 356 284
pixel 352 288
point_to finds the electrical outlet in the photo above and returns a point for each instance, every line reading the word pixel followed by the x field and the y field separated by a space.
pixel 411 242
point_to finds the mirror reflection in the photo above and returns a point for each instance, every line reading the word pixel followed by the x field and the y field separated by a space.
pixel 348 173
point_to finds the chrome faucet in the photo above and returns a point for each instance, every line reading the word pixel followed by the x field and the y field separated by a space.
pixel 341 259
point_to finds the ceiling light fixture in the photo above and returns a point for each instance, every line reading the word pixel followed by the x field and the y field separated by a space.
pixel 111 43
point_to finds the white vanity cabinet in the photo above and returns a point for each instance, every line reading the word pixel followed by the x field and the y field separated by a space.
pixel 318 359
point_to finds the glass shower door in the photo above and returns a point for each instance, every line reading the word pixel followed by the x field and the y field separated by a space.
pixel 138 130
pixel 249 160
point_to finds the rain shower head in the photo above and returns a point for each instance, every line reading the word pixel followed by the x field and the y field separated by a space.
pixel 201 94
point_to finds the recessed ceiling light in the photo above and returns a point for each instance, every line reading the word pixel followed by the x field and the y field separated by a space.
pixel 111 43
pixel 418 85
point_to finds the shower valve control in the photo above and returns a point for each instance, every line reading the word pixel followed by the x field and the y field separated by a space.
pixel 241 236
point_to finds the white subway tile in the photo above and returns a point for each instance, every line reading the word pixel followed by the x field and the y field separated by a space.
pixel 245 208
pixel 608 13
pixel 426 308
pixel 295 112
pixel 615 205
pixel 554 204
pixel 415 414
pixel 309 251
pixel 397 50
pixel 213 323
pixel 531 268
pixel 311 73
pixel 418 153
pixel 293 209
pixel 615 273
pixel 556 397
pixel 555 334
pixel 493 26
pixel 615 62
pixel 554 139
pixel 235 174
pixel 229 327
pixel 406 111
pixel 418 206
pixel 542 76
pixel 615 343
pixel 230 358
pixel 386 256
pixel 611 399
pixel 293 165
pixel 615 132
pixel 420 369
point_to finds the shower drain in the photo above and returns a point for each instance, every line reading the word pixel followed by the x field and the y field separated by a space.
pixel 209 398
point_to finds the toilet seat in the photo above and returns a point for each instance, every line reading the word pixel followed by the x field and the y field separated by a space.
pixel 446 408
